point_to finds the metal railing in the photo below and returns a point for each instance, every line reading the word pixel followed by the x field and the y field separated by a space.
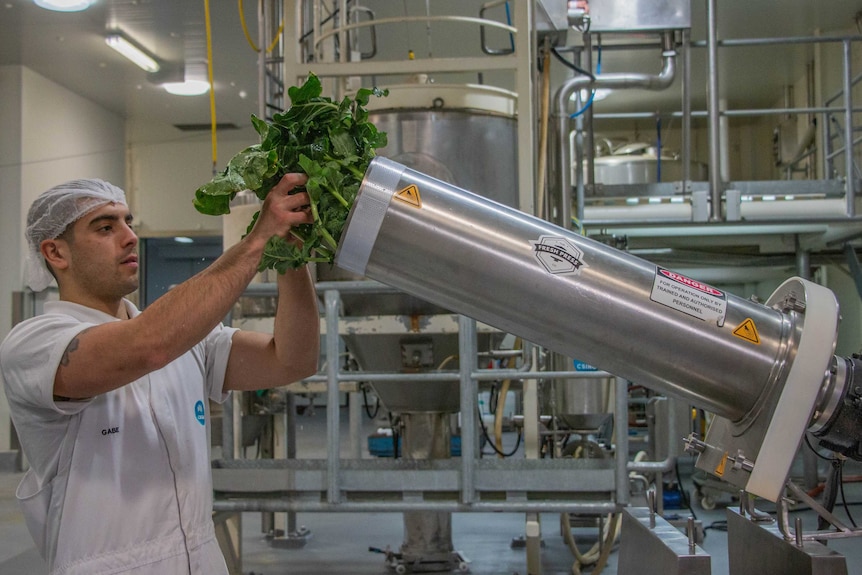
pixel 827 113
pixel 460 484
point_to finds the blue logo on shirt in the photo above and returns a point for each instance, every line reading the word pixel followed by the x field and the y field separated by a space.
pixel 200 414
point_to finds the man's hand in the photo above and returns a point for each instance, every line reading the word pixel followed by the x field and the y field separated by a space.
pixel 282 210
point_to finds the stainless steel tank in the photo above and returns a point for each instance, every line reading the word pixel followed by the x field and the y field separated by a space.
pixel 643 169
pixel 432 128
pixel 465 135
pixel 437 141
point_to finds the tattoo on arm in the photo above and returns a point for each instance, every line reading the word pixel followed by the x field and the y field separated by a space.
pixel 73 345
pixel 64 362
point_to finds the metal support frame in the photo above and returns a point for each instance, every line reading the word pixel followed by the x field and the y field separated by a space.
pixel 756 546
pixel 298 63
pixel 471 484
pixel 848 180
pixel 649 545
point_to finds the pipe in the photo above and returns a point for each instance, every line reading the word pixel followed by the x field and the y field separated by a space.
pixel 686 109
pixel 227 431
pixel 571 294
pixel 714 115
pixel 263 504
pixel 544 121
pixel 848 131
pixel 621 430
pixel 469 440
pixel 333 437
pixel 613 81
pixel 591 142
pixel 662 466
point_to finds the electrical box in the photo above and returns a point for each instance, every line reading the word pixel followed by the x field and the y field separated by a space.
pixel 639 15
pixel 618 15
pixel 417 354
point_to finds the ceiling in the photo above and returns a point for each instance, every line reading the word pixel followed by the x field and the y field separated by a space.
pixel 69 49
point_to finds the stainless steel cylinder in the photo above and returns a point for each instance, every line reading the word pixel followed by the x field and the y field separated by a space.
pixel 564 291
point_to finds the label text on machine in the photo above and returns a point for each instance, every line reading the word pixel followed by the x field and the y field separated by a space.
pixel 558 255
pixel 689 296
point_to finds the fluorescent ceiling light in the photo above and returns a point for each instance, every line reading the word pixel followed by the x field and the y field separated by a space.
pixel 63 5
pixel 132 52
pixel 187 88
pixel 196 80
pixel 184 240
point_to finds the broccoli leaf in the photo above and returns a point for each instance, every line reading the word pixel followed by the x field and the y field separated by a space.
pixel 331 142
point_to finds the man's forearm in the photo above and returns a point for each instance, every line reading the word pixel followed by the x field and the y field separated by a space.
pixel 170 326
pixel 184 315
pixel 297 321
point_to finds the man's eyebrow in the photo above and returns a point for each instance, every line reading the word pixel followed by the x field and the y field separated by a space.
pixel 110 218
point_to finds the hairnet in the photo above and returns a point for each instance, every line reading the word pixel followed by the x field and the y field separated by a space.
pixel 53 211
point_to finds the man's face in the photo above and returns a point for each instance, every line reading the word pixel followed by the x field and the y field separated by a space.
pixel 103 252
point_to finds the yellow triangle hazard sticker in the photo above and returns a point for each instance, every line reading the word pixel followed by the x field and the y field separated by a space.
pixel 410 195
pixel 747 331
pixel 719 469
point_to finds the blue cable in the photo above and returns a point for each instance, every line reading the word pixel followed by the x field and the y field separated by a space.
pixel 593 91
pixel 509 22
pixel 586 106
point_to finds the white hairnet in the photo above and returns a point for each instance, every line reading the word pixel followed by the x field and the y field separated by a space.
pixel 53 211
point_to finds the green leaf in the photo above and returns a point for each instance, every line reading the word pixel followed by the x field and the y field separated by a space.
pixel 311 89
pixel 331 142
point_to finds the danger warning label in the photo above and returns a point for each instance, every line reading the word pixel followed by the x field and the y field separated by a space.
pixel 689 296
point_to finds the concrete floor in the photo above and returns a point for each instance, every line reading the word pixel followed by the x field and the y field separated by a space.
pixel 340 543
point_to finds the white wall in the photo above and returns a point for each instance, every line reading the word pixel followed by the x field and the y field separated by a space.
pixel 164 174
pixel 64 136
pixel 10 210
pixel 48 135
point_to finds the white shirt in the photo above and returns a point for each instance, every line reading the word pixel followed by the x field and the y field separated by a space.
pixel 119 483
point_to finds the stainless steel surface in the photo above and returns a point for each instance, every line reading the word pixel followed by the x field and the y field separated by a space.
pixel 576 396
pixel 621 429
pixel 831 396
pixel 427 535
pixel 468 393
pixel 438 142
pixel 616 81
pixel 837 419
pixel 333 352
pixel 601 310
pixel 649 545
pixel 645 169
pixel 434 141
pixel 759 549
pixel 715 184
pixel 400 485
pixel 632 16
pixel 849 155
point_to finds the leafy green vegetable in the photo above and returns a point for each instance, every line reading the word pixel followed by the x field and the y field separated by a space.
pixel 331 142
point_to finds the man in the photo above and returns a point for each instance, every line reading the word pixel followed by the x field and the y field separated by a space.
pixel 110 403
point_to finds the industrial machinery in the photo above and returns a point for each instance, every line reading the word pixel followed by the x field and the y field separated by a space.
pixel 430 130
pixel 768 371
